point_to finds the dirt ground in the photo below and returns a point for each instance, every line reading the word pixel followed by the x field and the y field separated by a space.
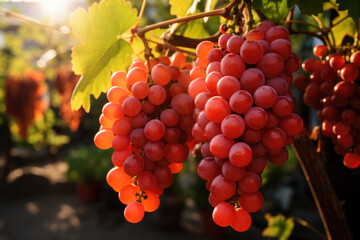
pixel 37 203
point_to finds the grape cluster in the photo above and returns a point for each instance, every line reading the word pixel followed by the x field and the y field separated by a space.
pixel 65 83
pixel 243 116
pixel 24 99
pixel 148 122
pixel 332 88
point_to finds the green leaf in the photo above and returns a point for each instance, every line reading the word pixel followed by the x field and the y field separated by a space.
pixel 101 49
pixel 308 7
pixel 278 227
pixel 352 6
pixel 275 10
pixel 180 8
pixel 346 27
pixel 195 29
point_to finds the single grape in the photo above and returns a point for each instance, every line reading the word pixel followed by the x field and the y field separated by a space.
pixel 223 214
pixel 242 220
pixel 320 50
pixel 251 51
pixel 222 188
pixel 265 96
pixel 220 146
pixel 271 65
pixel 233 65
pixel 217 108
pixel 134 212
pixel 241 101
pixel 234 44
pixel 227 86
pixel 240 154
pixel 103 139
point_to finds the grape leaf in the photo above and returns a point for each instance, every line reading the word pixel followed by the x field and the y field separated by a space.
pixel 195 29
pixel 346 27
pixel 180 8
pixel 278 227
pixel 101 49
pixel 352 6
pixel 275 10
pixel 308 7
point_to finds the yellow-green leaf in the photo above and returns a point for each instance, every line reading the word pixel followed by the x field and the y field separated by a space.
pixel 180 8
pixel 346 27
pixel 278 227
pixel 101 49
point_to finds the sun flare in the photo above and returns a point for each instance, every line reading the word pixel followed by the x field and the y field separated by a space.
pixel 56 9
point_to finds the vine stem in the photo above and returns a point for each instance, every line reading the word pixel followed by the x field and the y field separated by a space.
pixel 142 9
pixel 218 12
pixel 141 31
pixel 340 21
pixel 328 204
pixel 172 47
pixel 141 13
pixel 310 33
pixel 319 33
pixel 289 17
pixel 24 18
pixel 190 42
pixel 318 21
pixel 301 22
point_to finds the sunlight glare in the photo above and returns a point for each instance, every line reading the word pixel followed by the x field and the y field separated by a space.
pixel 56 9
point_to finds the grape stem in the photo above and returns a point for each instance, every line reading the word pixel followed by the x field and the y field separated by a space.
pixel 237 14
pixel 141 12
pixel 147 52
pixel 140 196
pixel 142 9
pixel 250 21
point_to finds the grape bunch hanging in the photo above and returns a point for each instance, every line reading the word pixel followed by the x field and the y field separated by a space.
pixel 243 117
pixel 148 122
pixel 24 99
pixel 332 88
pixel 65 83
